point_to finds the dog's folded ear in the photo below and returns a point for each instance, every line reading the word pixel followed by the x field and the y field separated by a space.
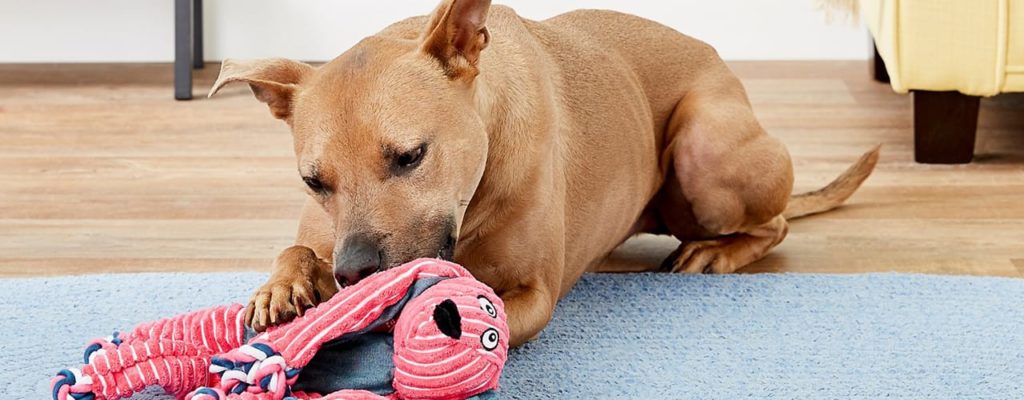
pixel 456 35
pixel 273 81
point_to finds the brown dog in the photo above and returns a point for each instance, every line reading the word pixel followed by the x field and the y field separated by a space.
pixel 525 150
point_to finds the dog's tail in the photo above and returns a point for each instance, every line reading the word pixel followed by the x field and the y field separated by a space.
pixel 833 195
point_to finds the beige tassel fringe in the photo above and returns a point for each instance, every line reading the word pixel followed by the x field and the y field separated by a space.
pixel 839 10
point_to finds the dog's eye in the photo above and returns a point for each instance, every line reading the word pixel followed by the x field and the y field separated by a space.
pixel 489 339
pixel 314 184
pixel 411 159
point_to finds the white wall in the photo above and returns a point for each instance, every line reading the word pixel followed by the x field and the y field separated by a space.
pixel 313 30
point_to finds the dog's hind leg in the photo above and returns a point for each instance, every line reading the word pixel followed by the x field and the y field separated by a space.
pixel 728 185
pixel 727 253
pixel 727 192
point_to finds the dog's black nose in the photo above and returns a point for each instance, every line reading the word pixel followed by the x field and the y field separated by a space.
pixel 356 258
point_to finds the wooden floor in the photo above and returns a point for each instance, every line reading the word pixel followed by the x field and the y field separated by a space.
pixel 101 171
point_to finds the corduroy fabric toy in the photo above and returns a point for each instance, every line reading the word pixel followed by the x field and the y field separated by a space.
pixel 449 335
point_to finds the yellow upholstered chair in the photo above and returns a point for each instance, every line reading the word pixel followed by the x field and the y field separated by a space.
pixel 949 53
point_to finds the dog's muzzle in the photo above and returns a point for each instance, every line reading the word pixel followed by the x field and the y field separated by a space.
pixel 356 258
pixel 360 255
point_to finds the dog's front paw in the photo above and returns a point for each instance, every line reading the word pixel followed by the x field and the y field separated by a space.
pixel 278 302
pixel 300 281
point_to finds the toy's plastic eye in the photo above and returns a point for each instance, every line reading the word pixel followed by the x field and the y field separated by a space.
pixel 488 307
pixel 489 339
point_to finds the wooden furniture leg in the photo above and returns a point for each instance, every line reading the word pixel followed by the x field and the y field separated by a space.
pixel 945 125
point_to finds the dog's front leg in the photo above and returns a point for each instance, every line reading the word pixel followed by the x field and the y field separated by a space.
pixel 528 282
pixel 524 261
pixel 529 310
pixel 300 280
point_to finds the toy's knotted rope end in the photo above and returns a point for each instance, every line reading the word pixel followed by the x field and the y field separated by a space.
pixel 207 393
pixel 254 368
pixel 101 346
pixel 72 384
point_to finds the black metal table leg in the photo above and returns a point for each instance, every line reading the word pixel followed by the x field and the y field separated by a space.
pixel 197 33
pixel 183 49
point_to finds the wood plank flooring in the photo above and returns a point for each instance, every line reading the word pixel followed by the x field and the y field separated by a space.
pixel 102 171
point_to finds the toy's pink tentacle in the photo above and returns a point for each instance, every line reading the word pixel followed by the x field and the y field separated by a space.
pixel 119 372
pixel 273 360
pixel 355 395
pixel 217 394
pixel 218 329
pixel 353 309
pixel 172 352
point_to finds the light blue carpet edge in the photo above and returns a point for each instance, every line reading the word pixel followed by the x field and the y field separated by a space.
pixel 640 336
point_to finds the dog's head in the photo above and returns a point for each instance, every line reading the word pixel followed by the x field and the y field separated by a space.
pixel 387 136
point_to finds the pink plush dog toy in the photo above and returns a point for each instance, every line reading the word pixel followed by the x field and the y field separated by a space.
pixel 444 336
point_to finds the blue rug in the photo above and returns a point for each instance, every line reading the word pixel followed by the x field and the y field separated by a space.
pixel 642 336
